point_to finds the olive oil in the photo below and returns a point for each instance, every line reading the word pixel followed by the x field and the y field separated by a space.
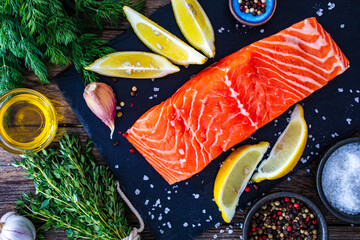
pixel 27 121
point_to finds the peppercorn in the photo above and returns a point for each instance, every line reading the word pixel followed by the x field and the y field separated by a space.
pixel 283 221
pixel 133 94
pixel 115 143
pixel 256 7
pixel 122 104
pixel 119 114
pixel 134 88
pixel 114 79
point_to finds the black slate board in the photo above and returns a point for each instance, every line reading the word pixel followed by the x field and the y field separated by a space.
pixel 186 209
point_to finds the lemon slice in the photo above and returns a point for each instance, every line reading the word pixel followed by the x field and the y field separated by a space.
pixel 195 25
pixel 161 41
pixel 234 175
pixel 287 150
pixel 133 65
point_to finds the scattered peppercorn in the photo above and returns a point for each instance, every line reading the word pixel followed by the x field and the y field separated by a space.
pixel 122 104
pixel 255 7
pixel 132 150
pixel 119 114
pixel 278 219
pixel 133 94
pixel 114 79
pixel 115 143
pixel 247 189
pixel 134 88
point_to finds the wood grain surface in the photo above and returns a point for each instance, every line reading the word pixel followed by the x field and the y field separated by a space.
pixel 13 183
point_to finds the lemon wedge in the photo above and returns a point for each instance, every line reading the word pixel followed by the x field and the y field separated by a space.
pixel 287 150
pixel 234 175
pixel 161 41
pixel 195 25
pixel 133 65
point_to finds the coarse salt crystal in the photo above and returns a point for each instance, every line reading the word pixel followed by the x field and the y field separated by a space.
pixel 145 178
pixel 222 231
pixel 116 166
pixel 146 201
pixel 317 111
pixel 317 146
pixel 203 211
pixel 156 89
pixel 185 224
pixel 230 231
pixel 331 6
pixel 169 224
pixel 167 210
pixel 340 90
pixel 161 231
pixel 348 120
pixel 151 186
pixel 137 192
pixel 356 99
pixel 196 196
pixel 262 30
pixel 289 179
pixel 342 25
pixel 151 97
pixel 320 12
pixel 324 118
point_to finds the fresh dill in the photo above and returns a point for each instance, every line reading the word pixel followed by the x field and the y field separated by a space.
pixel 34 33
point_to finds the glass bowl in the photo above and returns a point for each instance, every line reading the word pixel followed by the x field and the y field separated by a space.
pixel 28 121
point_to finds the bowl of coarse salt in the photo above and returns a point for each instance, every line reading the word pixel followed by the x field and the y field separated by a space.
pixel 338 180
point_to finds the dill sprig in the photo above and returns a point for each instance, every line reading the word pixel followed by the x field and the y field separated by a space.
pixel 72 193
pixel 34 33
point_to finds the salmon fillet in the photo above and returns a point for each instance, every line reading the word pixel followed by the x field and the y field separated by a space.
pixel 227 102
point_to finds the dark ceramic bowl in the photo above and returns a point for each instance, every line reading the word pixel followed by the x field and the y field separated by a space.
pixel 323 233
pixel 247 18
pixel 341 215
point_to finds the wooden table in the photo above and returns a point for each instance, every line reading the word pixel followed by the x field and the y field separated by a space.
pixel 13 183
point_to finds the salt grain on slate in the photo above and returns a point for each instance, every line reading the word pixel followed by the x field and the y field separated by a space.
pixel 317 146
pixel 196 196
pixel 324 118
pixel 215 236
pixel 316 111
pixel 320 12
pixel 340 179
pixel 222 231
pixel 137 192
pixel 307 170
pixel 289 179
pixel 161 231
pixel 230 231
pixel 152 186
pixel 116 166
pixel 204 211
pixel 356 99
pixel 167 210
pixel 169 224
pixel 151 97
pixel 185 224
pixel 145 178
pixel 331 6
pixel 168 198
pixel 156 89
pixel 146 202
pixel 340 90
pixel 348 120
pixel 262 30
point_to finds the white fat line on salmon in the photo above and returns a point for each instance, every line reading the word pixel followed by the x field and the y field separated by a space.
pixel 318 44
pixel 235 95
pixel 330 54
pixel 293 56
pixel 284 82
pixel 302 78
pixel 297 97
pixel 286 74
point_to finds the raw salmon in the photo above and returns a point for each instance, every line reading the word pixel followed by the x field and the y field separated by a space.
pixel 227 102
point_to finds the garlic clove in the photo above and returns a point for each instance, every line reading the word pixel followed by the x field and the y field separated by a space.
pixel 101 100
pixel 16 227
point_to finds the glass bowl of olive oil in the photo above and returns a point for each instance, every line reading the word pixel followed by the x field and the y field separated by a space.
pixel 28 121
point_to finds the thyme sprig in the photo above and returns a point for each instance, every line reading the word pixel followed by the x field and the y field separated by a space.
pixel 72 193
pixel 34 33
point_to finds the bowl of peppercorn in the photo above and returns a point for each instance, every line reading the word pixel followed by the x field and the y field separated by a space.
pixel 252 12
pixel 285 215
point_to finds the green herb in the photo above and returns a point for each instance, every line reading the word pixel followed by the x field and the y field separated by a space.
pixel 73 193
pixel 34 33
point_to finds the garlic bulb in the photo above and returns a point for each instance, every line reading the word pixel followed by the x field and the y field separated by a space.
pixel 101 100
pixel 16 227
